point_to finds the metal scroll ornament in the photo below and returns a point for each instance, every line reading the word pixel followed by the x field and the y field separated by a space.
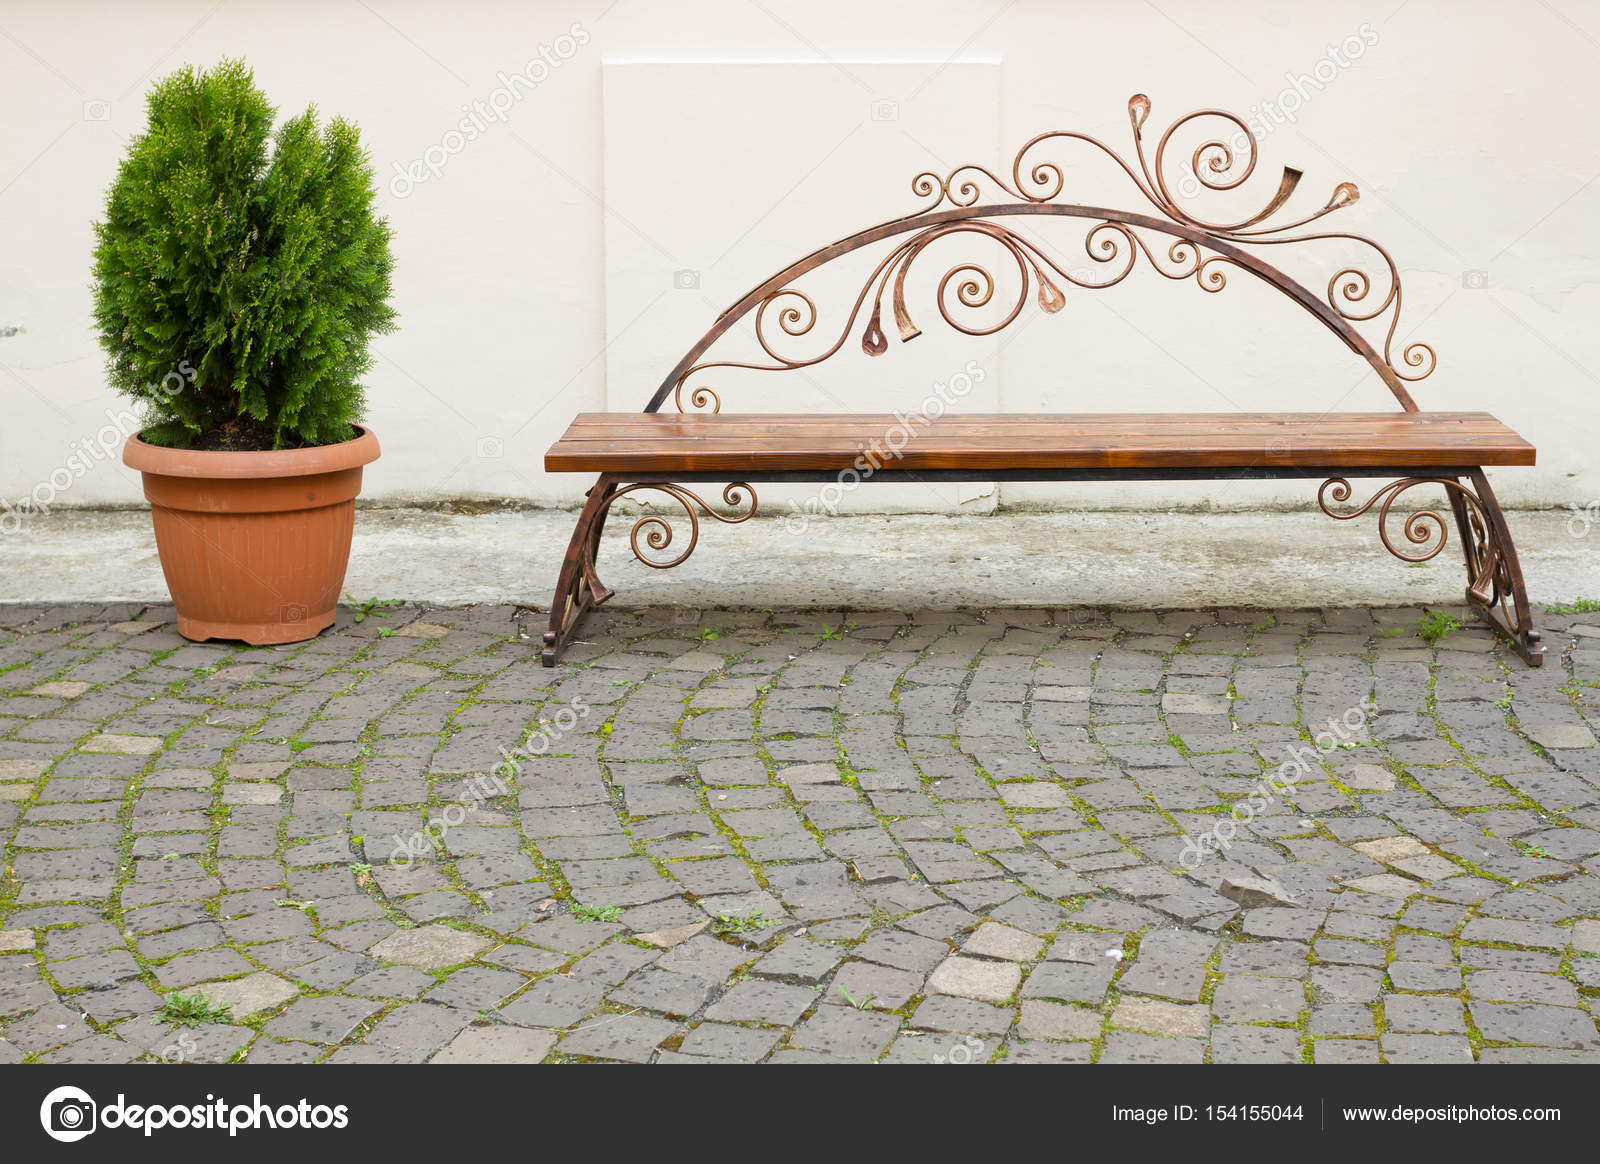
pixel 786 313
pixel 657 530
pixel 1427 531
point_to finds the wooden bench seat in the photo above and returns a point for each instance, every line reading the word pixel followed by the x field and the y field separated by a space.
pixel 752 444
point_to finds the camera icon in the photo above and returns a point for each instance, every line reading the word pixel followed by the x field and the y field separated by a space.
pixel 68 1114
pixel 685 616
pixel 293 612
pixel 491 448
pixel 96 110
pixel 1278 448
pixel 965 1052
pixel 1475 280
pixel 884 109
pixel 686 280
pixel 180 1051
pixel 1583 519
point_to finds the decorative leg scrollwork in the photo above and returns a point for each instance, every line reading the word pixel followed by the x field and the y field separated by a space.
pixel 579 587
pixel 660 534
pixel 1494 576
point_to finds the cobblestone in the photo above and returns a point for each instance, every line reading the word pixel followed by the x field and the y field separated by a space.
pixel 772 843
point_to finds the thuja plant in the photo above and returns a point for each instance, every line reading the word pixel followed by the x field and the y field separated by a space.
pixel 241 271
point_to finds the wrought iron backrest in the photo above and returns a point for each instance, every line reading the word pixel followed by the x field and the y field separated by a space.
pixel 955 209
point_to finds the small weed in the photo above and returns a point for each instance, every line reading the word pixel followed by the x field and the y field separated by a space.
pixel 191 1010
pixel 597 913
pixel 728 923
pixel 371 608
pixel 1392 632
pixel 707 633
pixel 864 1004
pixel 386 632
pixel 1435 625
pixel 1580 606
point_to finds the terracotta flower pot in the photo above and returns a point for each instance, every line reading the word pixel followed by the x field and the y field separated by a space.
pixel 254 545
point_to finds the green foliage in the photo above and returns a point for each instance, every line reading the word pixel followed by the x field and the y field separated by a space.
pixel 191 1010
pixel 864 1004
pixel 371 608
pixel 240 273
pixel 597 913
pixel 1435 624
pixel 1581 606
pixel 728 923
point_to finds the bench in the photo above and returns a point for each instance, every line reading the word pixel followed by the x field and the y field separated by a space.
pixel 1405 449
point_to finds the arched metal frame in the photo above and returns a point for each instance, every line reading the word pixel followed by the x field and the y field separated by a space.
pixel 1200 250
pixel 1035 183
pixel 781 284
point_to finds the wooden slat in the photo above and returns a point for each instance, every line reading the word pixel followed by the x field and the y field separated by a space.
pixel 735 426
pixel 748 443
pixel 1119 418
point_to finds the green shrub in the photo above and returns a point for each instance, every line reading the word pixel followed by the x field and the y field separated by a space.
pixel 240 273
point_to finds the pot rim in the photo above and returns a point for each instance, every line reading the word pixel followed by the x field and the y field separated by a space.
pixel 221 465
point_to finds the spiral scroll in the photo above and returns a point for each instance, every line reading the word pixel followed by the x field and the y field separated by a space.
pixel 657 530
pixel 789 313
pixel 1423 525
pixel 1216 166
pixel 1495 580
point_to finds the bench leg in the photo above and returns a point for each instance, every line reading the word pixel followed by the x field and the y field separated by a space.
pixel 1494 576
pixel 1496 587
pixel 578 587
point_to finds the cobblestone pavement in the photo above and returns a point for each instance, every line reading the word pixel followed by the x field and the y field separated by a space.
pixel 796 836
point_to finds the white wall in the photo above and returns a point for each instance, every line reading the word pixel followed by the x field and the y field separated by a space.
pixel 728 137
